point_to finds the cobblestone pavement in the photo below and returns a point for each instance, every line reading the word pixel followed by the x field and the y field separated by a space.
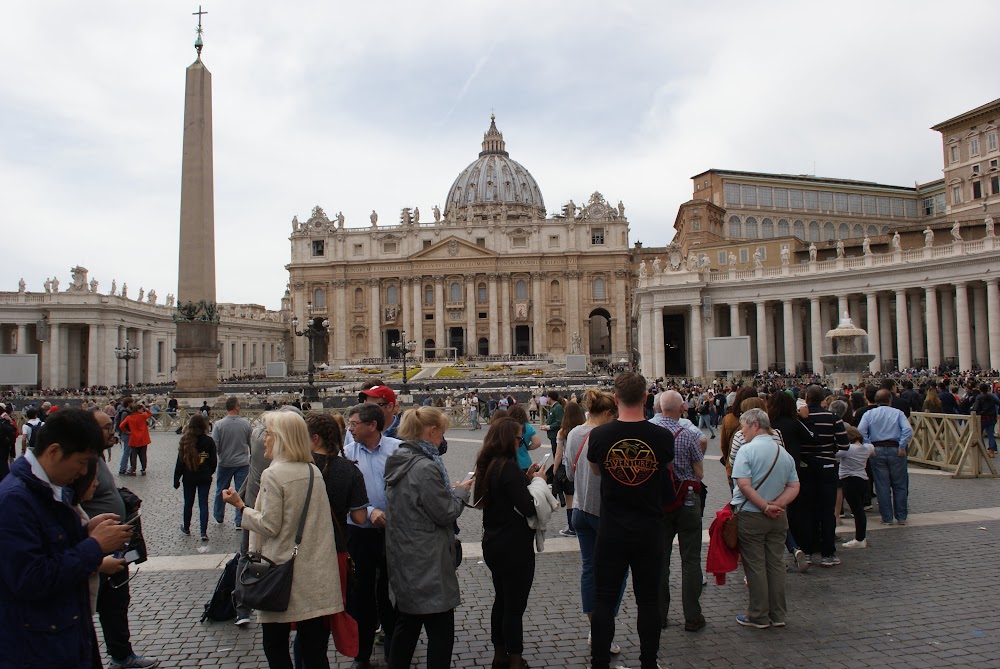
pixel 916 598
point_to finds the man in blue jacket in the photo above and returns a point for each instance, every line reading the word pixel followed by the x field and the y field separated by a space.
pixel 47 554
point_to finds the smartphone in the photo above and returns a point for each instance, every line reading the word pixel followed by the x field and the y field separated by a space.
pixel 134 519
pixel 468 476
pixel 131 556
pixel 545 458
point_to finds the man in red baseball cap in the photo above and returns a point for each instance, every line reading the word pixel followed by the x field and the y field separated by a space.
pixel 383 396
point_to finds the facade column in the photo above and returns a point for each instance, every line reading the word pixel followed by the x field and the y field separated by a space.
pixel 340 324
pixel 494 315
pixel 471 343
pixel 825 326
pixel 982 334
pixel 854 309
pixel 885 329
pixel 95 364
pixel 962 322
pixel 949 342
pixel 622 317
pixel 505 331
pixel 22 339
pixel 52 353
pixel 933 328
pixel 787 318
pixel 697 342
pixel 916 327
pixel 417 332
pixel 149 354
pixel 871 312
pixel 735 326
pixel 645 343
pixel 762 360
pixel 375 328
pixel 902 331
pixel 538 314
pixel 816 334
pixel 993 315
pixel 659 360
pixel 573 323
pixel 122 336
pixel 440 341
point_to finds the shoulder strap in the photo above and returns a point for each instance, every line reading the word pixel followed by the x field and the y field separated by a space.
pixel 577 458
pixel 777 453
pixel 305 510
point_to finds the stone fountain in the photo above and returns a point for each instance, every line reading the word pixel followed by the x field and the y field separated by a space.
pixel 850 356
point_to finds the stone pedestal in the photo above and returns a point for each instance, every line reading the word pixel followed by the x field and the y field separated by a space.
pixel 576 363
pixel 197 360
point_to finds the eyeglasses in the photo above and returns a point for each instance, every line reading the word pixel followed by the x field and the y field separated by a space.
pixel 379 404
pixel 355 423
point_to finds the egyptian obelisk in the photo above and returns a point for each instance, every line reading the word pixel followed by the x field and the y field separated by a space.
pixel 197 315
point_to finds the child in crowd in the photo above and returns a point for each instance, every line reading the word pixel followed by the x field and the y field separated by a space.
pixel 855 479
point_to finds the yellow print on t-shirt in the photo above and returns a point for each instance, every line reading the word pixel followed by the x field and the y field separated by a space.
pixel 630 462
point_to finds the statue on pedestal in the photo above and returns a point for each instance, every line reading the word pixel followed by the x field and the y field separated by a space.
pixel 840 248
pixel 897 244
pixel 956 232
pixel 656 265
pixel 295 223
pixel 577 344
pixel 437 214
pixel 152 297
pixel 786 254
pixel 866 246
pixel 21 286
pixel 416 216
pixel 989 226
pixel 142 291
pixel 170 299
pixel 114 286
pixel 757 259
pixel 621 209
pixel 373 218
pixel 48 285
pixel 642 268
pixel 812 252
pixel 732 261
pixel 340 220
pixel 928 237
pixel 93 285
pixel 125 290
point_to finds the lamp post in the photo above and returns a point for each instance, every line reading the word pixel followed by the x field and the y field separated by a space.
pixel 405 348
pixel 126 353
pixel 311 332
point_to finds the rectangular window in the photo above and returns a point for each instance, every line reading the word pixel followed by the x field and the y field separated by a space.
pixel 975 169
pixel 553 241
pixel 749 195
pixel 928 206
pixel 812 199
pixel 991 142
pixel 994 163
pixel 795 199
pixel 826 201
pixel 597 236
pixel 840 202
pixel 428 317
pixel 995 185
pixel 884 206
pixel 977 190
pixel 897 206
pixel 722 258
pixel 868 204
pixel 956 195
pixel 732 193
pixel 318 247
pixel 744 255
pixel 764 196
pixel 481 241
pixel 910 208
pixel 939 204
pixel 390 247
pixel 781 198
pixel 359 249
pixel 974 146
pixel 519 242
pixel 953 153
pixel 854 202
pixel 482 315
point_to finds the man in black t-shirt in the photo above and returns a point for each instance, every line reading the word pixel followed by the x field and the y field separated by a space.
pixel 631 456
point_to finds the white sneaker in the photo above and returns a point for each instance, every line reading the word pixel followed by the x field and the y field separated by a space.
pixel 240 622
pixel 614 649
pixel 854 543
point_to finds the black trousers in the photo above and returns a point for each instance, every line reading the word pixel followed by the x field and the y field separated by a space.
pixel 512 579
pixel 112 610
pixel 613 556
pixel 368 602
pixel 440 639
pixel 313 636
pixel 854 492
pixel 817 499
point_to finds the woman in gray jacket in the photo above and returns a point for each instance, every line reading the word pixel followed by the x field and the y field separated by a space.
pixel 422 507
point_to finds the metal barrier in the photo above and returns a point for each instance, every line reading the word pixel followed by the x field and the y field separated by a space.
pixel 950 442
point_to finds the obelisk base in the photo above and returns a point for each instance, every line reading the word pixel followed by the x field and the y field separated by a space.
pixel 197 360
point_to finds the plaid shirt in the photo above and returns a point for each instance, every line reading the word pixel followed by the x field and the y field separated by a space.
pixel 687 450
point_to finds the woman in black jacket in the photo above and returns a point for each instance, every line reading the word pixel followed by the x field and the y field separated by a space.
pixel 784 417
pixel 508 543
pixel 196 462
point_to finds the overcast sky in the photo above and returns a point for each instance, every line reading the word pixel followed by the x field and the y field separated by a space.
pixel 379 105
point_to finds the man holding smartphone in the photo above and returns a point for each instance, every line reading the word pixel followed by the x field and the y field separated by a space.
pixel 113 595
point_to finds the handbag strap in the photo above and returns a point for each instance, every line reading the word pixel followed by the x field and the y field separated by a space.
pixel 305 510
pixel 770 469
pixel 577 458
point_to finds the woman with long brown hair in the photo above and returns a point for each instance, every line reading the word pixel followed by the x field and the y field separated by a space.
pixel 731 425
pixel 501 491
pixel 196 462
pixel 573 415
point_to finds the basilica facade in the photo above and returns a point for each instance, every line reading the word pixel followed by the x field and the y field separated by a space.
pixel 489 277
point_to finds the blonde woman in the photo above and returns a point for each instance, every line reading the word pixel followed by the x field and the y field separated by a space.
pixel 315 585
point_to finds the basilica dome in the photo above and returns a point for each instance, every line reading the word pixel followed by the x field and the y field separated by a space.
pixel 494 186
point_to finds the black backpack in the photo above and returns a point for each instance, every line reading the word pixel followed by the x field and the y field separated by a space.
pixel 8 437
pixel 221 607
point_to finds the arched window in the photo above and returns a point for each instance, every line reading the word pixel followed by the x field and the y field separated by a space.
pixel 455 291
pixel 799 229
pixel 829 233
pixel 521 290
pixel 428 295
pixel 843 231
pixel 885 229
pixel 392 295
pixel 599 290
pixel 359 298
pixel 872 231
pixel 783 227
pixel 814 231
pixel 359 344
pixel 751 228
pixel 319 298
pixel 734 227
pixel 767 228
pixel 859 231
pixel 554 290
pixel 481 294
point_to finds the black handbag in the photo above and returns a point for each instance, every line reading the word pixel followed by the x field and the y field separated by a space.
pixel 263 584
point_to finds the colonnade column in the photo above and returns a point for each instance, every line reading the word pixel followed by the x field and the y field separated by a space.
pixel 933 328
pixel 916 327
pixel 494 315
pixel 982 335
pixel 885 328
pixel 902 331
pixel 505 311
pixel 645 343
pixel 697 342
pixel 22 339
pixel 471 340
pixel 949 344
pixel 842 306
pixel 762 361
pixel 659 364
pixel 340 323
pixel 993 316
pixel 537 315
pixel 735 326
pixel 787 323
pixel 439 336
pixel 800 313
pixel 816 334
pixel 871 304
pixel 962 322
pixel 122 336
pixel 95 359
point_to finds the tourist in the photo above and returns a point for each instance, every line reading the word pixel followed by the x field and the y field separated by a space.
pixel 508 542
pixel 315 590
pixel 786 420
pixel 121 413
pixel 985 407
pixel 533 409
pixel 932 402
pixel 731 425
pixel 232 438
pixel 855 482
pixel 888 430
pixel 705 414
pixel 137 428
pixel 530 440
pixel 819 479
pixel 554 420
pixel 420 540
pixel 196 462
pixel 766 481
pixel 562 485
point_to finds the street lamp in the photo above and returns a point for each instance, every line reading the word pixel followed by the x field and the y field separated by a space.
pixel 126 353
pixel 405 348
pixel 311 332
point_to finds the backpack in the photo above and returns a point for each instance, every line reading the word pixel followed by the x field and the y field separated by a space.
pixel 8 437
pixel 221 606
pixel 119 417
pixel 33 431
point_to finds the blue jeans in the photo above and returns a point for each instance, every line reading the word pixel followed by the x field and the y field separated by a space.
pixel 705 423
pixel 586 533
pixel 223 477
pixel 189 492
pixel 126 451
pixel 891 478
pixel 991 434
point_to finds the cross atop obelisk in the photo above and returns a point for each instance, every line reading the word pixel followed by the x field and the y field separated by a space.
pixel 197 314
pixel 198 43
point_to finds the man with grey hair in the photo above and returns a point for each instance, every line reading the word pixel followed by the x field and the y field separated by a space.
pixel 887 429
pixel 369 602
pixel 766 482
pixel 683 518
